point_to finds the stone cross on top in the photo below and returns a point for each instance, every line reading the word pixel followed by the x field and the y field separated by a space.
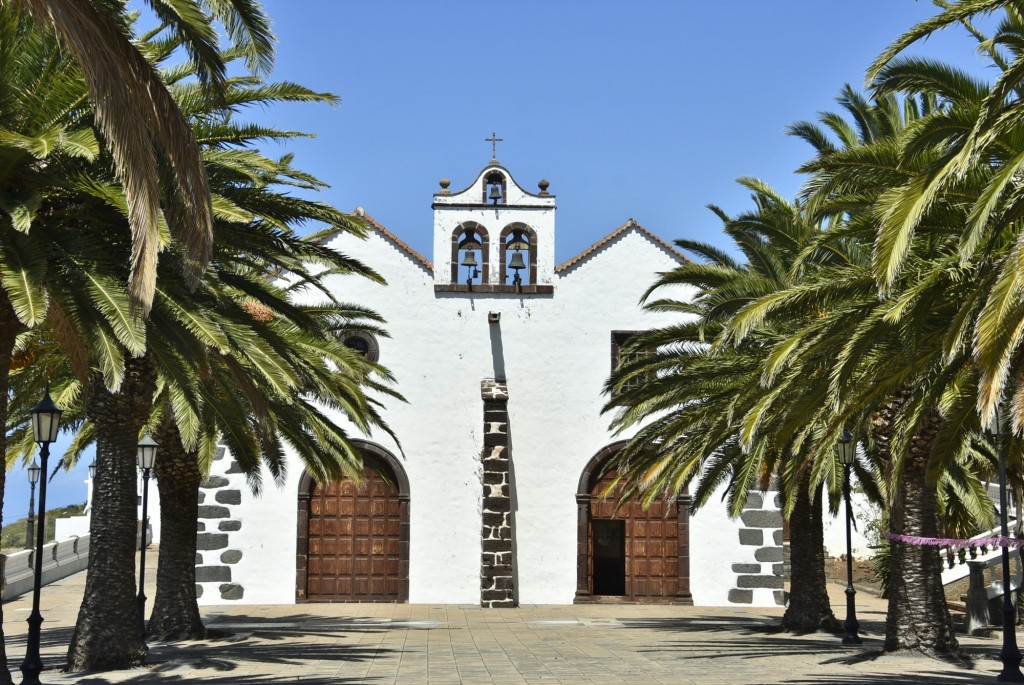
pixel 494 140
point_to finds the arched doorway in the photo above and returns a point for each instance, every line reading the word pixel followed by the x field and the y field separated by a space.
pixel 633 555
pixel 353 540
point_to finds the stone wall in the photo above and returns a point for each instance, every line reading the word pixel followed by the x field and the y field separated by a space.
pixel 216 529
pixel 497 585
pixel 761 530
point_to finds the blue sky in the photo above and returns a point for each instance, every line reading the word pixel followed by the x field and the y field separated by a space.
pixel 643 109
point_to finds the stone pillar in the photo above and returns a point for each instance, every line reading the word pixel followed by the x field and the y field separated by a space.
pixel 582 548
pixel 977 599
pixel 683 595
pixel 496 577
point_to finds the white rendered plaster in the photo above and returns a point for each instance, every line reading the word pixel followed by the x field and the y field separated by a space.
pixel 715 547
pixel 554 351
pixel 864 513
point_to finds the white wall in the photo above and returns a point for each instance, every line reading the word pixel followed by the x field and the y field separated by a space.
pixel 864 513
pixel 556 354
pixel 554 351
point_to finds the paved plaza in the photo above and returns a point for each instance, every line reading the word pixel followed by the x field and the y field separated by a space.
pixel 569 645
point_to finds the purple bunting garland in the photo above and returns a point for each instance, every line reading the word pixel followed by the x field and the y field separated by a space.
pixel 997 541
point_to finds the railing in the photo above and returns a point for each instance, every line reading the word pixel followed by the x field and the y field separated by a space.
pixel 984 596
pixel 60 560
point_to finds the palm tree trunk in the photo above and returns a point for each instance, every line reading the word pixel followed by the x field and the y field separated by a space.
pixel 9 328
pixel 175 610
pixel 107 634
pixel 918 617
pixel 808 607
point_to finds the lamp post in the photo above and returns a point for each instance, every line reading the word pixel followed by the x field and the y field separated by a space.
pixel 92 487
pixel 33 478
pixel 848 455
pixel 146 456
pixel 1010 653
pixel 45 425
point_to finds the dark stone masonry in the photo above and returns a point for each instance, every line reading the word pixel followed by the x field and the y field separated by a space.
pixel 229 497
pixel 206 541
pixel 232 556
pixel 231 591
pixel 497 585
pixel 215 489
pixel 215 482
pixel 761 528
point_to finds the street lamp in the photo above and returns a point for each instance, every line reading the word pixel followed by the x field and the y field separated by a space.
pixel 33 478
pixel 45 425
pixel 146 456
pixel 847 456
pixel 1009 654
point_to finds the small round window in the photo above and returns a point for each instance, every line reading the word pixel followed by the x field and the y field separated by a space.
pixel 364 344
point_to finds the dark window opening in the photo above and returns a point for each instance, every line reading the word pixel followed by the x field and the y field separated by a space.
pixel 609 556
pixel 624 353
pixel 364 344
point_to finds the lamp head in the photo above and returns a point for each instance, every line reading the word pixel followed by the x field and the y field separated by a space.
pixel 147 451
pixel 33 473
pixel 847 448
pixel 46 419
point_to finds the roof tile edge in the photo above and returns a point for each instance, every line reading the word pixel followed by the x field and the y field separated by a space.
pixel 630 224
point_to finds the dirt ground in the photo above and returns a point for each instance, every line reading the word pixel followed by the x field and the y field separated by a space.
pixel 863 574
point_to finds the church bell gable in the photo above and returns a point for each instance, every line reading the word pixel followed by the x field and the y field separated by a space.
pixel 494 236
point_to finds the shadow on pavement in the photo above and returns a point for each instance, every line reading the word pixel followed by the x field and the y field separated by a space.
pixel 747 625
pixel 917 678
pixel 248 643
pixel 146 676
pixel 305 623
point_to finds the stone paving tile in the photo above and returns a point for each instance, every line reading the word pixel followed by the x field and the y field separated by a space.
pixel 382 644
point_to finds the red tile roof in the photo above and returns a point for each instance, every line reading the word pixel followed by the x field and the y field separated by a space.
pixel 394 239
pixel 630 225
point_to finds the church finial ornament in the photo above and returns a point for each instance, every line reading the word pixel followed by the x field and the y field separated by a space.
pixel 494 140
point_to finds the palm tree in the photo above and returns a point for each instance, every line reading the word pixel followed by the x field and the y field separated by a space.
pixel 701 392
pixel 901 365
pixel 139 120
pixel 195 332
pixel 42 127
pixel 978 142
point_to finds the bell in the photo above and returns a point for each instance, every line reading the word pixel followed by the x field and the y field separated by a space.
pixel 469 259
pixel 517 261
pixel 495 193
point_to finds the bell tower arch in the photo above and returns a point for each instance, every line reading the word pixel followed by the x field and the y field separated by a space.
pixel 494 236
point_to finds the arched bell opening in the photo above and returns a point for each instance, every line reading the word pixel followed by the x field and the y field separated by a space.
pixel 470 254
pixel 518 255
pixel 629 553
pixel 494 188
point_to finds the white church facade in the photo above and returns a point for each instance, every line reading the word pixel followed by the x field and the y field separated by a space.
pixel 493 497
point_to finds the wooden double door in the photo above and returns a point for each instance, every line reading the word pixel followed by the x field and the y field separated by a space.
pixel 633 553
pixel 357 544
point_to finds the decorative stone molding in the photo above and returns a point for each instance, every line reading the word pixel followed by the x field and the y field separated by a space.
pixel 497 580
